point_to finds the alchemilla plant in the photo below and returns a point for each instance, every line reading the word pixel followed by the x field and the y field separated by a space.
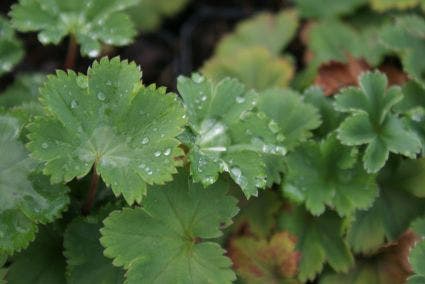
pixel 295 154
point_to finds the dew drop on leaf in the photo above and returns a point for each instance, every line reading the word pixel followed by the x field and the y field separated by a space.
pixel 167 152
pixel 44 145
pixel 157 154
pixel 101 96
pixel 240 100
pixel 145 140
pixel 74 104
pixel 93 53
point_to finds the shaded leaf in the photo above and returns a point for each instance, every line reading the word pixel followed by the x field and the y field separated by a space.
pixel 319 240
pixel 23 90
pixel 327 173
pixel 168 240
pixel 327 8
pixel 42 262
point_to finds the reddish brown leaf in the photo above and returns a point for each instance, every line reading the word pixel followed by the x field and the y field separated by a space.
pixel 333 76
pixel 262 261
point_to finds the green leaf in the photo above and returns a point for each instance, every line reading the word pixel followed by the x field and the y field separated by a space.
pixel 110 120
pixel 91 22
pixel 168 240
pixel 327 173
pixel 42 262
pixel 84 253
pixel 227 135
pixel 263 261
pixel 280 28
pixel 417 254
pixel 319 240
pixel 391 213
pixel 148 14
pixel 257 216
pixel 372 121
pixel 26 197
pixel 294 119
pixel 406 37
pixel 384 5
pixel 332 40
pixel 23 90
pixel 255 66
pixel 11 49
pixel 329 117
pixel 327 8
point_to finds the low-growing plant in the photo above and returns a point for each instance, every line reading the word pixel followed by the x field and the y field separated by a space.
pixel 234 176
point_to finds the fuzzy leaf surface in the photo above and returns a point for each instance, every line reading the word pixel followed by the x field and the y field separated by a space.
pixel 110 120
pixel 372 121
pixel 227 135
pixel 319 240
pixel 169 239
pixel 11 49
pixel 26 197
pixel 91 22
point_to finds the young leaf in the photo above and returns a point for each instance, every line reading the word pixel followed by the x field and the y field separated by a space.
pixel 91 22
pixel 26 197
pixel 23 90
pixel 11 50
pixel 372 121
pixel 42 262
pixel 417 254
pixel 327 173
pixel 387 219
pixel 327 8
pixel 86 263
pixel 406 37
pixel 280 27
pixel 294 118
pixel 110 120
pixel 226 134
pixel 168 240
pixel 263 261
pixel 319 240
pixel 255 66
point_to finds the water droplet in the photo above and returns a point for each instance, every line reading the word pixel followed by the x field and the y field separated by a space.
pixel 101 96
pixel 203 98
pixel 43 38
pixel 157 154
pixel 82 82
pixel 93 53
pixel 145 140
pixel 273 126
pixel 149 171
pixel 236 171
pixel 167 152
pixel 74 104
pixel 142 166
pixel 44 145
pixel 240 100
pixel 280 137
pixel 108 83
pixel 197 78
pixel 261 115
pixel 208 181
